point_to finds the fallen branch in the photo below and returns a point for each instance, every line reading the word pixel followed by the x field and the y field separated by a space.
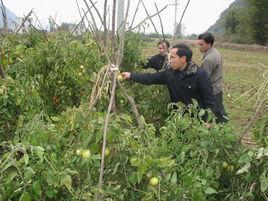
pixel 261 105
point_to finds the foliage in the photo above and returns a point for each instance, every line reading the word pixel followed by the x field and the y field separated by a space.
pixel 261 131
pixel 259 16
pixel 132 51
pixel 236 24
pixel 186 157
pixel 18 102
pixel 245 21
pixel 62 67
pixel 41 159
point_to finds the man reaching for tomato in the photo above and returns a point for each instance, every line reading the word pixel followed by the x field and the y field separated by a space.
pixel 184 79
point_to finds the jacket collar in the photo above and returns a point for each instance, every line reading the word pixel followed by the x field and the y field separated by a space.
pixel 191 68
pixel 207 52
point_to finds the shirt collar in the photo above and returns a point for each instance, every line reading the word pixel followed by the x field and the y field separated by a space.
pixel 207 52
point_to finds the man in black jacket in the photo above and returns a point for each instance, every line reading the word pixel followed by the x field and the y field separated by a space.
pixel 184 79
pixel 160 60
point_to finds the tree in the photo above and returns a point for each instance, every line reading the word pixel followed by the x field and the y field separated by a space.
pixel 259 18
pixel 232 21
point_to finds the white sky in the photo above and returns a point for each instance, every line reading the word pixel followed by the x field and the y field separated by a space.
pixel 200 15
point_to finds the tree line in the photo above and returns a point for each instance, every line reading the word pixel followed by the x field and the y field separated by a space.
pixel 247 23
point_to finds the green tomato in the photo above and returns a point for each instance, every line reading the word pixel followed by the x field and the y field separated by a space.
pixel 149 174
pixel 154 181
pixel 133 160
pixel 107 152
pixel 120 78
pixel 86 154
pixel 78 152
pixel 2 91
pixel 4 87
pixel 225 165
pixel 231 168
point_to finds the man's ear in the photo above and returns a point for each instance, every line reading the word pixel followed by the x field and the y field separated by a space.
pixel 184 58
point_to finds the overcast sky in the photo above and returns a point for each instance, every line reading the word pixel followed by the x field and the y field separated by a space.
pixel 200 15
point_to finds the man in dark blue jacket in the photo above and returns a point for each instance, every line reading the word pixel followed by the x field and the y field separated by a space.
pixel 184 79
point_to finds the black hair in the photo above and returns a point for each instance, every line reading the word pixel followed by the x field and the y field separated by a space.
pixel 207 37
pixel 162 42
pixel 184 50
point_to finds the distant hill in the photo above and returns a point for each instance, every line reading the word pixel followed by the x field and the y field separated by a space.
pixel 10 16
pixel 218 26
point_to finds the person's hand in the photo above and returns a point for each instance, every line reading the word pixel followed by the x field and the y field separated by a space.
pixel 125 75
pixel 208 125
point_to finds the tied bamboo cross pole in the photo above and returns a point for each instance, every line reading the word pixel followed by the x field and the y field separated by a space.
pixel 146 18
pixel 114 56
pixel 150 18
pixel 112 98
pixel 22 24
pixel 108 73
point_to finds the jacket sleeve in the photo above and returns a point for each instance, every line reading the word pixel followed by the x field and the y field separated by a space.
pixel 149 78
pixel 153 63
pixel 147 64
pixel 208 66
pixel 205 87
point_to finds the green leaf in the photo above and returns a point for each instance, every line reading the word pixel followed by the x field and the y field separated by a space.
pixel 36 188
pixel 96 157
pixel 54 118
pixel 26 158
pixel 40 152
pixel 11 175
pixel 210 191
pixel 133 178
pixel 51 179
pixel 201 113
pixel 50 193
pixel 67 182
pixel 165 162
pixel 29 172
pixel 264 182
pixel 25 196
pixel 173 179
pixel 244 169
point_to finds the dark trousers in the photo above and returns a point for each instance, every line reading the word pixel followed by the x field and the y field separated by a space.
pixel 219 112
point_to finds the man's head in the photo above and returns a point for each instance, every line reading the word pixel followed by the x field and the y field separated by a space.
pixel 205 41
pixel 180 56
pixel 163 47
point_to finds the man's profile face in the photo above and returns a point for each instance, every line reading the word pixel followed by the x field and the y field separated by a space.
pixel 161 49
pixel 203 45
pixel 177 62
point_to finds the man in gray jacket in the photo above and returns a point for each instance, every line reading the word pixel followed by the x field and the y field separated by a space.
pixel 213 65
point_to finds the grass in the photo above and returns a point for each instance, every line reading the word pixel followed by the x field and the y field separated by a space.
pixel 243 70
